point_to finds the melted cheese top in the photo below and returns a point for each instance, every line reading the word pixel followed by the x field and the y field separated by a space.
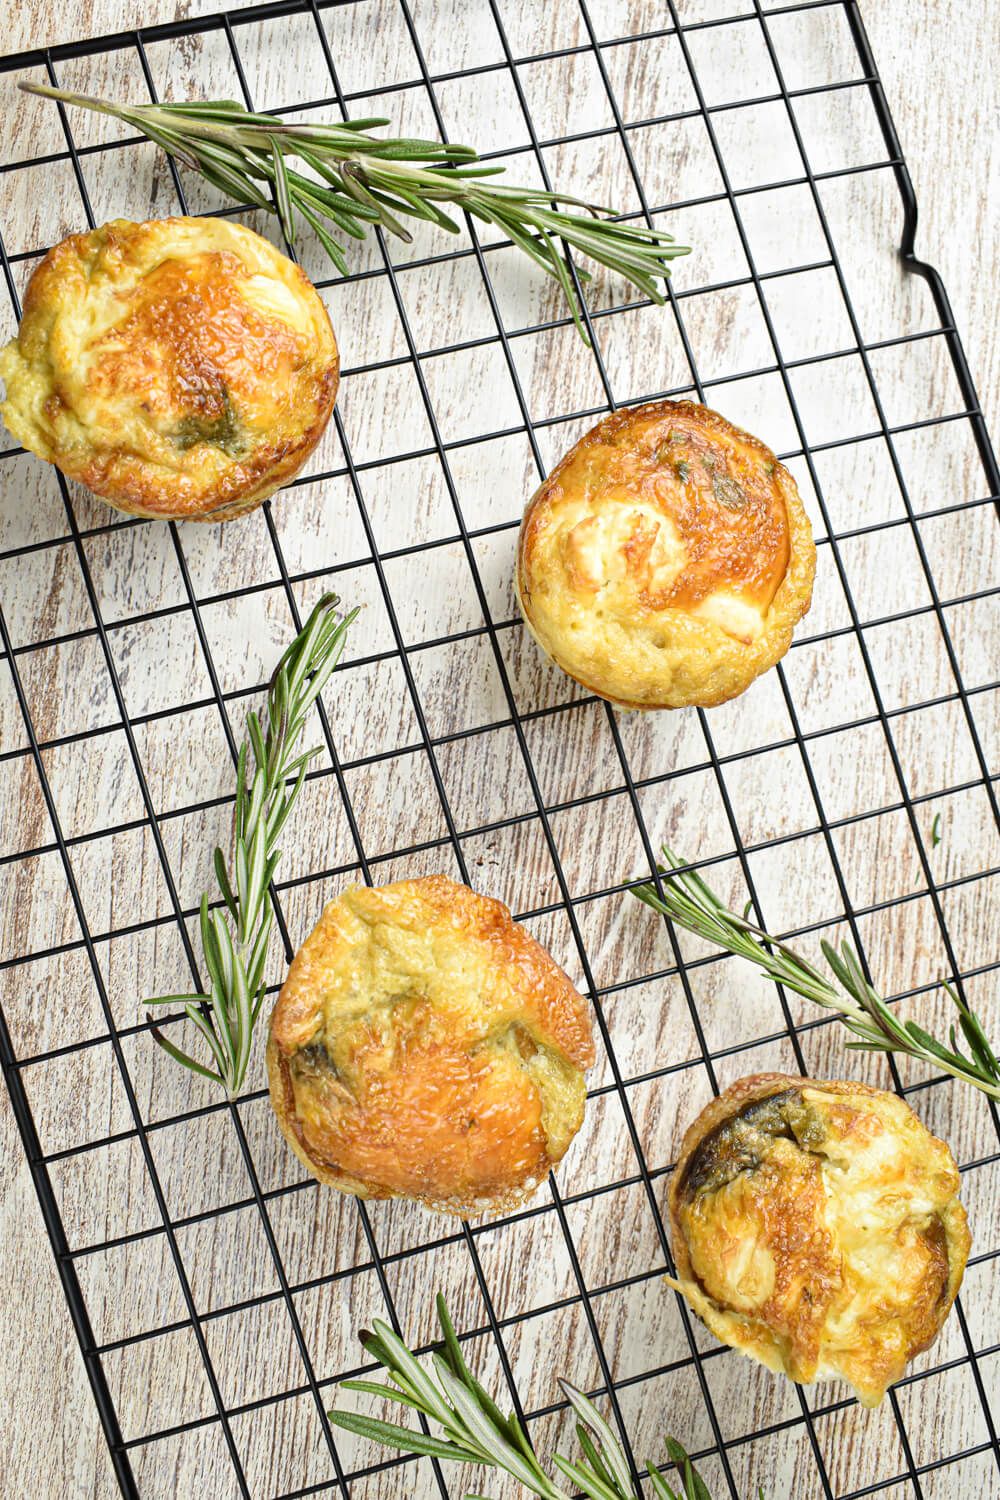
pixel 666 558
pixel 425 1046
pixel 821 1231
pixel 669 513
pixel 177 367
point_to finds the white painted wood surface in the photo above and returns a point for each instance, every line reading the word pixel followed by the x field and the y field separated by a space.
pixel 945 115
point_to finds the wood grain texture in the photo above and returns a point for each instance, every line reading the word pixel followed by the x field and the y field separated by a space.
pixel 946 116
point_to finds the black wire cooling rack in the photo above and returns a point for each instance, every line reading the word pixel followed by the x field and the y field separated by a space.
pixel 516 768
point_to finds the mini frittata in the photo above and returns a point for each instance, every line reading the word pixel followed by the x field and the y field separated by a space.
pixel 666 559
pixel 425 1046
pixel 181 368
pixel 817 1228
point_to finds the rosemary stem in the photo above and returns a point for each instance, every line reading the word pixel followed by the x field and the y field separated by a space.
pixel 689 902
pixel 364 179
pixel 476 1431
pixel 235 936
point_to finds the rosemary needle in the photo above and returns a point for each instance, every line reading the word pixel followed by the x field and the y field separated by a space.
pixel 234 937
pixel 690 903
pixel 354 180
pixel 476 1431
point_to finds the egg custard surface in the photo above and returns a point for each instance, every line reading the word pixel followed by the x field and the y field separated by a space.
pixel 425 1046
pixel 181 368
pixel 817 1228
pixel 666 559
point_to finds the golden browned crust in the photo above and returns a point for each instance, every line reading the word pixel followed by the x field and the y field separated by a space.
pixel 425 1046
pixel 666 559
pixel 817 1228
pixel 181 368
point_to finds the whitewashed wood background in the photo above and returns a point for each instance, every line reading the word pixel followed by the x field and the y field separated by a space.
pixel 56 1447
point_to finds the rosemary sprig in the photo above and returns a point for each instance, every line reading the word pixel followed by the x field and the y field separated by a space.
pixel 354 180
pixel 692 904
pixel 476 1431
pixel 234 936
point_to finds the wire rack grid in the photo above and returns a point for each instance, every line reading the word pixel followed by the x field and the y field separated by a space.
pixel 214 1292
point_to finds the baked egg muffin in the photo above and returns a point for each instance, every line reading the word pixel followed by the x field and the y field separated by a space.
pixel 424 1046
pixel 666 559
pixel 817 1228
pixel 181 368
